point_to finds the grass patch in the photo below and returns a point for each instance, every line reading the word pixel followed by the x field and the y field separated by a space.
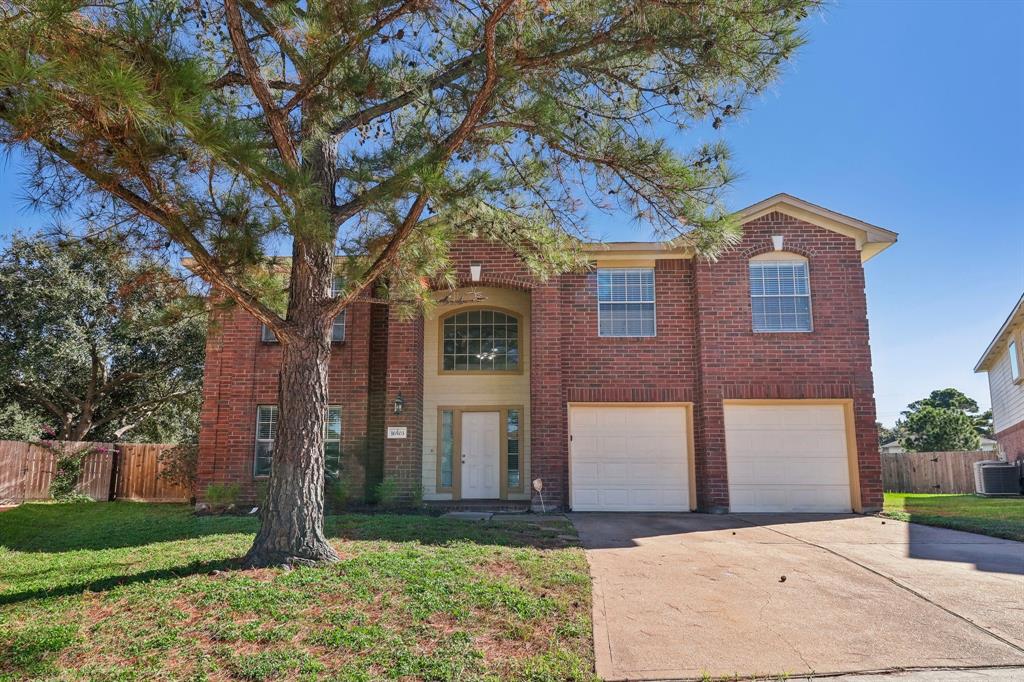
pixel 135 591
pixel 996 516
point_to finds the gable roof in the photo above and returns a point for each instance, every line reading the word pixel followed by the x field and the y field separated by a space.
pixel 1001 338
pixel 871 239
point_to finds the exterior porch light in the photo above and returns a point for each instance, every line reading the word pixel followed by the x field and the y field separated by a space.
pixel 474 271
pixel 399 403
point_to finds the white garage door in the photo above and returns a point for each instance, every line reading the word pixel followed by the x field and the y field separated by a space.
pixel 787 458
pixel 629 458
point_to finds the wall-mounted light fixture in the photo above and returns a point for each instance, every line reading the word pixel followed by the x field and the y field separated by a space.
pixel 474 271
pixel 777 242
pixel 399 403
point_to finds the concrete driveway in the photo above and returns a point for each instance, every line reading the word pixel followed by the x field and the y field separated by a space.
pixel 680 596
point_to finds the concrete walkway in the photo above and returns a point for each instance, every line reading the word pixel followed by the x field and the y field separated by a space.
pixel 679 596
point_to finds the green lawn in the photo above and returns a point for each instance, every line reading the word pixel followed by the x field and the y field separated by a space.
pixel 996 516
pixel 135 591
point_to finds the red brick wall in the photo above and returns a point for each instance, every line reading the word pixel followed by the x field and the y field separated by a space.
pixel 242 372
pixel 833 361
pixel 705 351
pixel 1012 441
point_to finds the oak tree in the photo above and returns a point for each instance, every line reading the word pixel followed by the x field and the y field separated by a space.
pixel 97 343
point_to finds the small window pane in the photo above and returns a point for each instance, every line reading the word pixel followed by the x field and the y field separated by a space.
pixel 266 433
pixel 447 447
pixel 780 296
pixel 512 427
pixel 267 336
pixel 1014 361
pixel 338 328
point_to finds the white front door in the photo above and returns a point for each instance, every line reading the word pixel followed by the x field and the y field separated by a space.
pixel 481 455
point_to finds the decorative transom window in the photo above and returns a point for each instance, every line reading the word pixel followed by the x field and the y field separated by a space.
pixel 480 340
pixel 266 434
pixel 625 302
pixel 780 295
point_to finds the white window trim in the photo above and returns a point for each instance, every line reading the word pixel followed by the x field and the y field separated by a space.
pixel 1013 350
pixel 343 317
pixel 267 336
pixel 653 301
pixel 779 259
pixel 257 440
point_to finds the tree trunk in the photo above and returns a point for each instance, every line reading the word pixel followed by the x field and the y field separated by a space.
pixel 292 531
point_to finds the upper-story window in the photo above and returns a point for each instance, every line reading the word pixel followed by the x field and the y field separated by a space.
pixel 625 302
pixel 337 329
pixel 480 340
pixel 780 293
pixel 1015 360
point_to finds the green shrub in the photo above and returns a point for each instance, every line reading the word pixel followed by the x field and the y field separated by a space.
pixel 222 495
pixel 386 493
pixel 337 495
pixel 179 465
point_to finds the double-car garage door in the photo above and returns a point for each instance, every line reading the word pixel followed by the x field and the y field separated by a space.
pixel 784 456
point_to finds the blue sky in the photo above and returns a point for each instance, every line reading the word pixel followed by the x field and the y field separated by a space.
pixel 903 114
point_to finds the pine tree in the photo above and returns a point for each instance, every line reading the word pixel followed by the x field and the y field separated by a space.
pixel 380 129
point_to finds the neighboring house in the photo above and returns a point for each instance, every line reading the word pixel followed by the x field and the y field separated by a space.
pixel 893 447
pixel 1004 362
pixel 654 381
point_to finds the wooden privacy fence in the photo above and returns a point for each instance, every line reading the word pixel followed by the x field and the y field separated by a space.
pixel 127 471
pixel 931 472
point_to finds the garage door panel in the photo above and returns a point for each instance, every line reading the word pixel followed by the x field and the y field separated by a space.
pixel 787 458
pixel 629 459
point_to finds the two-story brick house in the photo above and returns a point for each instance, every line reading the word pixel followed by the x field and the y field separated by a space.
pixel 653 381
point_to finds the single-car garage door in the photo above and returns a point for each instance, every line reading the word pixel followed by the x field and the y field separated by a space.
pixel 629 458
pixel 787 457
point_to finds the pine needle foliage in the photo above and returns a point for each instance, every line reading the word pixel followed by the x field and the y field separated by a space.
pixel 227 127
pixel 381 130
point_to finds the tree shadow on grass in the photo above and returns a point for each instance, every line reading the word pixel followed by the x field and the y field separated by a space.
pixel 48 528
pixel 110 582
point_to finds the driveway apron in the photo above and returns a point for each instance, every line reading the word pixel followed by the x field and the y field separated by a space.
pixel 681 596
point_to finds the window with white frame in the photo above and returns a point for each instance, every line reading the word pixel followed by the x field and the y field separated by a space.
pixel 780 295
pixel 625 302
pixel 1015 370
pixel 266 434
pixel 337 328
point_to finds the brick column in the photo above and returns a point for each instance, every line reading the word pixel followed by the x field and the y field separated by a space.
pixel 403 456
pixel 709 413
pixel 549 458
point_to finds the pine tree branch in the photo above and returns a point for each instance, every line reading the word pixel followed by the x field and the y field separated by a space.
pixel 358 39
pixel 235 78
pixel 206 263
pixel 445 76
pixel 277 120
pixel 481 103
